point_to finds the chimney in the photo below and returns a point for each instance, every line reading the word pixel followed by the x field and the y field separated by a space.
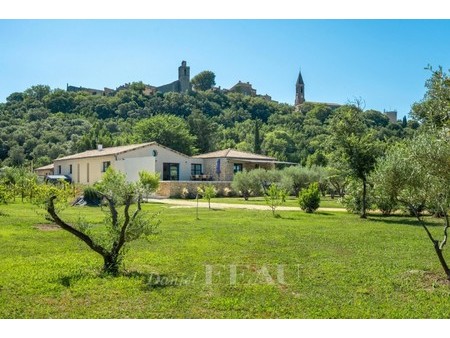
pixel 99 147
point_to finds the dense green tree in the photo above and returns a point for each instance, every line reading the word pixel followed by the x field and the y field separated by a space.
pixel 416 174
pixel 168 130
pixel 204 130
pixel 38 92
pixel 404 122
pixel 16 156
pixel 376 118
pixel 278 144
pixel 204 80
pixel 257 142
pixel 354 145
pixel 434 109
pixel 59 101
pixel 15 97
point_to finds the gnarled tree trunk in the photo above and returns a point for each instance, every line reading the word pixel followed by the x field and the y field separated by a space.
pixel 111 258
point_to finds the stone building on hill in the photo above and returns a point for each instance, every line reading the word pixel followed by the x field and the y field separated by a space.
pixel 300 94
pixel 182 85
pixel 245 88
pixel 392 115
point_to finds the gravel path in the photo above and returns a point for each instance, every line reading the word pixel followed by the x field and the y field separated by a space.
pixel 192 204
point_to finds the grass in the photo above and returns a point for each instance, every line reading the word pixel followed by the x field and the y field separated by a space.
pixel 229 264
pixel 325 202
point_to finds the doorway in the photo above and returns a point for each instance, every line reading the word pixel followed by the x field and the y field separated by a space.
pixel 171 171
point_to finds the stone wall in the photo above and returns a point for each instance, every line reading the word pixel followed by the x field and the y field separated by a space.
pixel 171 87
pixel 227 167
pixel 175 188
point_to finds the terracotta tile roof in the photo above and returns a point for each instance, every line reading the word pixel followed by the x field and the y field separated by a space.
pixel 232 153
pixel 46 167
pixel 105 151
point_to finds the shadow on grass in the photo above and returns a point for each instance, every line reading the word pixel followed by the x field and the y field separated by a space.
pixel 324 213
pixel 400 220
pixel 302 215
pixel 69 280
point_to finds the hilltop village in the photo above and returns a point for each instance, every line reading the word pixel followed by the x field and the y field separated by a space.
pixel 183 85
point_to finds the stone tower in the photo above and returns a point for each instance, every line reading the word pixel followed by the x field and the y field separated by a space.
pixel 184 77
pixel 299 90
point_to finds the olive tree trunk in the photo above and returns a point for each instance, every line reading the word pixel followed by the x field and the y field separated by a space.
pixel 112 257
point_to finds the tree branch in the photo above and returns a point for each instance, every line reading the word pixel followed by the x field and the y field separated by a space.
pixel 112 209
pixel 121 242
pixel 447 225
pixel 85 238
pixel 422 223
pixel 138 208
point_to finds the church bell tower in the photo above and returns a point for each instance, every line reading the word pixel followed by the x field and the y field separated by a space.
pixel 299 90
pixel 184 77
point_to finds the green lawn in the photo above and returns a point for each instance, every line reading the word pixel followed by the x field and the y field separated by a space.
pixel 325 202
pixel 325 265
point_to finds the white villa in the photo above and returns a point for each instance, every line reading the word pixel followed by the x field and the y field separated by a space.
pixel 176 170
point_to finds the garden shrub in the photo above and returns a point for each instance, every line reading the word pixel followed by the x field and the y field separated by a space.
pixel 91 196
pixel 309 198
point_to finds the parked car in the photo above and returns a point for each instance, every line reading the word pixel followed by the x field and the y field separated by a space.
pixel 57 178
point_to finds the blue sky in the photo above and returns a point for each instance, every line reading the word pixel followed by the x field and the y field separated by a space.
pixel 380 61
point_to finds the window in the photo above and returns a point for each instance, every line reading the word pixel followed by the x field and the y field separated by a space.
pixel 171 171
pixel 59 170
pixel 237 167
pixel 155 153
pixel 70 169
pixel 105 166
pixel 196 169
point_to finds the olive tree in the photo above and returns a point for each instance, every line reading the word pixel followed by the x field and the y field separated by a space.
pixel 354 146
pixel 296 178
pixel 274 197
pixel 245 184
pixel 122 224
pixel 417 174
pixel 209 191
pixel 434 109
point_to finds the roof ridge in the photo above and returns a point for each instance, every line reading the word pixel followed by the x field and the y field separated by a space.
pixel 116 150
pixel 249 152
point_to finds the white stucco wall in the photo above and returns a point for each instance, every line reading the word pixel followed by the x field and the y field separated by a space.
pixel 130 163
pixel 163 155
pixel 131 166
pixel 81 166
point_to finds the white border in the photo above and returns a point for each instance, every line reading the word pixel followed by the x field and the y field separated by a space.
pixel 235 9
pixel 223 328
